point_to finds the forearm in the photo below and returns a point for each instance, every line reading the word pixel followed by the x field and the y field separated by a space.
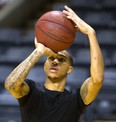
pixel 97 63
pixel 19 74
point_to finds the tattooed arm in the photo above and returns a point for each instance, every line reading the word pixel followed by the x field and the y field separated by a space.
pixel 92 85
pixel 15 81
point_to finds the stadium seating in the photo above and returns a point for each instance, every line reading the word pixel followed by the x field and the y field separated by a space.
pixel 17 43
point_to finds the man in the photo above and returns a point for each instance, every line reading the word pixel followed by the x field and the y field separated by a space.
pixel 52 102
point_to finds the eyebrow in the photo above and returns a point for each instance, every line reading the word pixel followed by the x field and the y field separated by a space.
pixel 61 55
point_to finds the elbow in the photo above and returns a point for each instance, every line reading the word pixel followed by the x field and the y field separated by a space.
pixel 102 78
pixel 7 84
pixel 6 87
pixel 98 79
pixel 97 76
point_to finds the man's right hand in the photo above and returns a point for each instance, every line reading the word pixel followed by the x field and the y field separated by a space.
pixel 44 50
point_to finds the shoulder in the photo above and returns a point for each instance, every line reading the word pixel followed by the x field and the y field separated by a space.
pixel 30 82
pixel 72 91
pixel 75 93
pixel 33 85
pixel 34 92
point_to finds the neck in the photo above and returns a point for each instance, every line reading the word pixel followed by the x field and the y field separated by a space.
pixel 55 85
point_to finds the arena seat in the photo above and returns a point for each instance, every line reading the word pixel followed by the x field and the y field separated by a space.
pixel 4 72
pixel 9 110
pixel 113 58
pixel 17 54
pixel 104 107
pixel 83 3
pixel 106 37
pixel 97 16
pixel 108 3
pixel 10 35
pixel 78 76
pixel 82 56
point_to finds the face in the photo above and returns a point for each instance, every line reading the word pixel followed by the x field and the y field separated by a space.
pixel 58 68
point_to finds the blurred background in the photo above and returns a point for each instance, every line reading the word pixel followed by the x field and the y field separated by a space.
pixel 17 22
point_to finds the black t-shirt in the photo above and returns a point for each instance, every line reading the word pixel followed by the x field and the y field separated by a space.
pixel 43 105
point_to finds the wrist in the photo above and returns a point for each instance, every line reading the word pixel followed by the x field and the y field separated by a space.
pixel 91 32
pixel 39 52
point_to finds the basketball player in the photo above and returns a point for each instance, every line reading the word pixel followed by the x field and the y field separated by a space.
pixel 52 102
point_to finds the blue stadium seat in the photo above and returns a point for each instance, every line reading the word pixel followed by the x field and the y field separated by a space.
pixel 110 77
pixel 83 3
pixel 7 118
pixel 98 18
pixel 82 56
pixel 4 72
pixel 58 6
pixel 106 37
pixel 78 76
pixel 29 36
pixel 6 99
pixel 106 56
pixel 113 58
pixel 9 109
pixel 104 107
pixel 17 54
pixel 105 103
pixel 108 3
pixel 9 35
pixel 80 39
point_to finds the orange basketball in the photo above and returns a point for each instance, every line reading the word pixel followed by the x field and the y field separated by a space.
pixel 55 30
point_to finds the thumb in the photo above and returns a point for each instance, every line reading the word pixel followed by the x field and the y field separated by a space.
pixel 35 41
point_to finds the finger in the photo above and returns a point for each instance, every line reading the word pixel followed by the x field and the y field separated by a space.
pixel 35 43
pixel 55 55
pixel 68 9
pixel 69 17
pixel 35 40
pixel 51 53
pixel 76 27
pixel 64 11
pixel 67 13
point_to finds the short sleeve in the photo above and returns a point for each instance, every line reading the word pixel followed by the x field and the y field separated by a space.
pixel 23 100
pixel 80 103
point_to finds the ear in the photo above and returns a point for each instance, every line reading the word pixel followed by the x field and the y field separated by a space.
pixel 70 70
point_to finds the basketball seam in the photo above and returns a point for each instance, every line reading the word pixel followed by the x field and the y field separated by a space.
pixel 59 24
pixel 52 37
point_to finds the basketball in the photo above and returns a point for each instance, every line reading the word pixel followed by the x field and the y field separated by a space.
pixel 54 30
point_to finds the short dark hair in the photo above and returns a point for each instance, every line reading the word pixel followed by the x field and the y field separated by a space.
pixel 70 58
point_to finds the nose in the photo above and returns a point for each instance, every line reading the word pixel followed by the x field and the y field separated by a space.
pixel 55 62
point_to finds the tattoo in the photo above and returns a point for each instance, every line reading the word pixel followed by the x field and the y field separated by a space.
pixel 19 74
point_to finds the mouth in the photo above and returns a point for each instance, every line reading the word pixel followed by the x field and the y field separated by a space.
pixel 53 69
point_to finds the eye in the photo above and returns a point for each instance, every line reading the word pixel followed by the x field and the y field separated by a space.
pixel 51 58
pixel 61 59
